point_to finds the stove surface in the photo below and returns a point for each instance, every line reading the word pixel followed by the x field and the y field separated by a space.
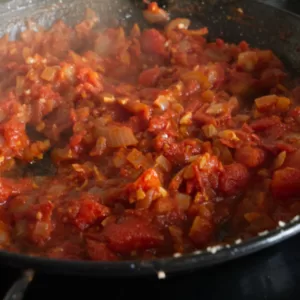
pixel 271 274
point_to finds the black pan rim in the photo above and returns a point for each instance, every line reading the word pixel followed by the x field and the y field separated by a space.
pixel 287 12
pixel 163 266
pixel 160 267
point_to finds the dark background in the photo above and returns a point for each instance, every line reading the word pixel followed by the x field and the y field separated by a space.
pixel 271 274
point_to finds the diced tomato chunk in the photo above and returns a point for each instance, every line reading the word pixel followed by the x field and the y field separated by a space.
pixel 153 42
pixel 130 235
pixel 12 187
pixel 265 123
pixel 164 205
pixel 234 179
pixel 285 183
pixel 149 77
pixel 148 180
pixel 250 156
pixel 85 211
pixel 15 136
pixel 292 160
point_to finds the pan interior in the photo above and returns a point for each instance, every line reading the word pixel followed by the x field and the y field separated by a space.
pixel 256 26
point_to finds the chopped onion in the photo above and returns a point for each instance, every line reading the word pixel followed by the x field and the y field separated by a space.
pixel 117 136
pixel 265 102
pixel 283 103
pixel 197 32
pixel 42 229
pixel 279 160
pixel 49 73
pixel 146 201
pixel 135 31
pixel 176 234
pixel 228 135
pixel 183 200
pixel 178 108
pixel 208 96
pixel 98 174
pixel 103 45
pixel 108 98
pixel 186 119
pixel 198 76
pixel 263 172
pixel 153 14
pixel 20 80
pixel 68 73
pixel 241 118
pixel 137 159
pixel 162 102
pixel 247 60
pixel 272 101
pixel 108 220
pixel 164 163
pixel 179 23
pixel 99 147
pixel 197 227
pixel 215 109
pixel 209 130
pixel 222 152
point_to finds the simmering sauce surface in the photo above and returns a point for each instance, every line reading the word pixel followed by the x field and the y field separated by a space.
pixel 148 142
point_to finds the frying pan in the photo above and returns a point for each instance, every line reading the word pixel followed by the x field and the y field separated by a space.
pixel 261 25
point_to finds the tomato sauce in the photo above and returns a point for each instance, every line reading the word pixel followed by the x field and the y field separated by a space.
pixel 138 145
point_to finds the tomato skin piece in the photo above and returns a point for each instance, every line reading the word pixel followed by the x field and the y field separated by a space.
pixel 10 187
pixel 249 156
pixel 234 179
pixel 130 235
pixel 164 205
pixel 149 77
pixel 84 212
pixel 89 212
pixel 265 123
pixel 285 183
pixel 153 42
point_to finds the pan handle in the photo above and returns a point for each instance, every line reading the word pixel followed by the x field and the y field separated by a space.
pixel 17 290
